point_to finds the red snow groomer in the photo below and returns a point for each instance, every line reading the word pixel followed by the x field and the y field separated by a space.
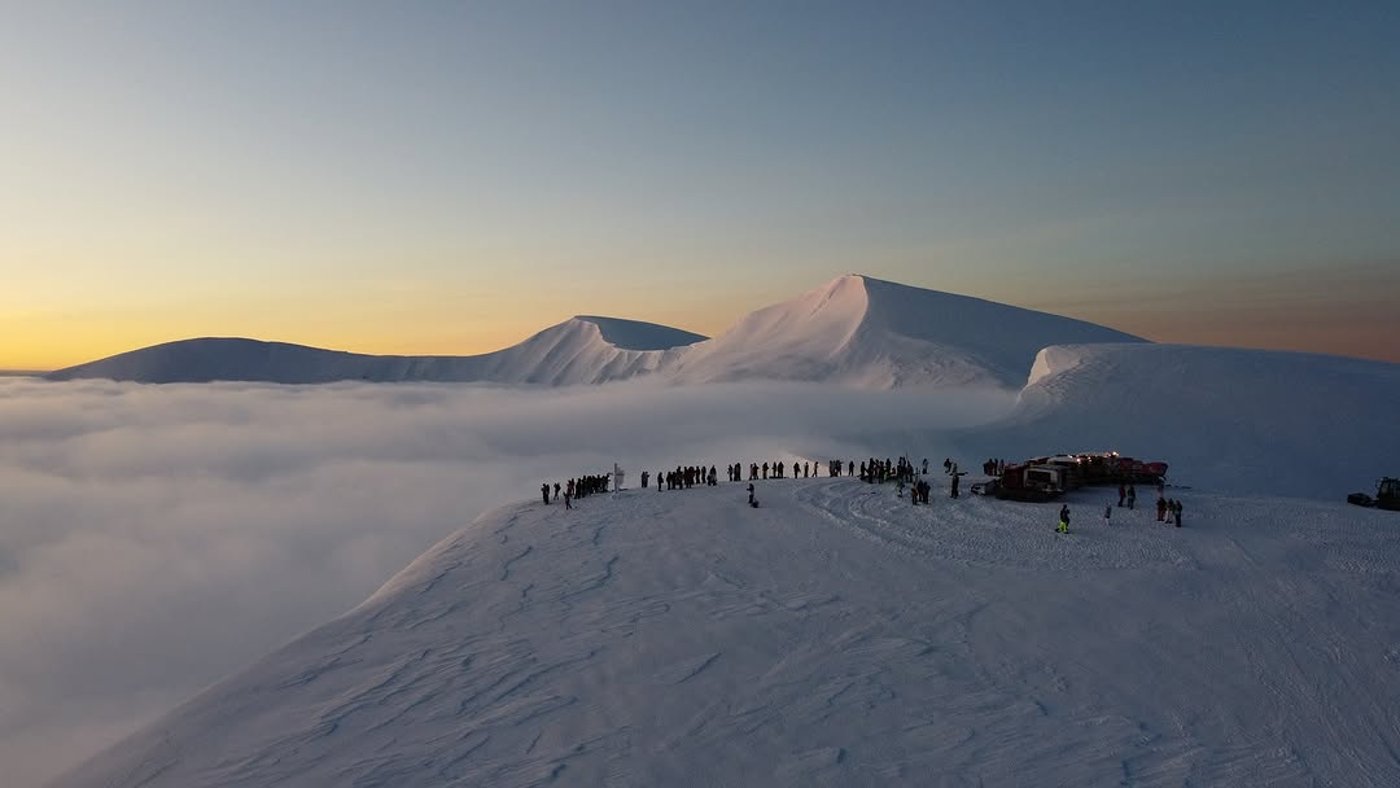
pixel 1046 478
pixel 1110 467
pixel 1025 482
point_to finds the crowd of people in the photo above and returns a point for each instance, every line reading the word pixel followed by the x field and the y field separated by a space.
pixel 903 472
pixel 573 489
pixel 684 477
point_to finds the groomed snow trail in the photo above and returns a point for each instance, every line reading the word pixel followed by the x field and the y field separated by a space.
pixel 835 636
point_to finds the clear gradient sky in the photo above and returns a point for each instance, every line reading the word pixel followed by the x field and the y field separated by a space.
pixel 450 177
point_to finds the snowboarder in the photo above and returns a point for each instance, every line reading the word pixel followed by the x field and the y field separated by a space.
pixel 556 491
pixel 1122 493
pixel 753 502
pixel 544 491
pixel 1063 527
pixel 1161 508
pixel 1132 496
pixel 567 498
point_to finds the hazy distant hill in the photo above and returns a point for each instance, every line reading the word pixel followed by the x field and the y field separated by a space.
pixel 579 350
pixel 854 330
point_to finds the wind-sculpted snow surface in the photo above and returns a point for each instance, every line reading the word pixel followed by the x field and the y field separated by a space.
pixel 834 636
pixel 1245 421
pixel 855 331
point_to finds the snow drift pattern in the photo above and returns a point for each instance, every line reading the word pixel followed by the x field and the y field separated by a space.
pixel 835 636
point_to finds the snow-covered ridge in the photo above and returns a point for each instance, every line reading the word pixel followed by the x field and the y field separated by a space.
pixel 854 330
pixel 579 350
pixel 834 636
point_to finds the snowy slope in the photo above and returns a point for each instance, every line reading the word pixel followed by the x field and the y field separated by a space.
pixel 1227 419
pixel 864 331
pixel 835 636
pixel 579 350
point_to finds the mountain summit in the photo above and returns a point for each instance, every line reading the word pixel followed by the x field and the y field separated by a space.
pixel 834 636
pixel 872 333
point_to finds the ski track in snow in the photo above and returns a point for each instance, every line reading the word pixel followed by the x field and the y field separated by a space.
pixel 835 636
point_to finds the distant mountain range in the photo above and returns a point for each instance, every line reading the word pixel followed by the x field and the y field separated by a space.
pixel 855 330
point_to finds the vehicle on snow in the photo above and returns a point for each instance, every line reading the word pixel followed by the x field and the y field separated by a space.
pixel 1387 496
pixel 1046 478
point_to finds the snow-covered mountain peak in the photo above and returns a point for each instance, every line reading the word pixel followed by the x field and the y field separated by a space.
pixel 637 335
pixel 868 332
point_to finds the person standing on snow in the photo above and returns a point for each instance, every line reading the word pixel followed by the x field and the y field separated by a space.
pixel 1063 527
pixel 544 491
pixel 1132 496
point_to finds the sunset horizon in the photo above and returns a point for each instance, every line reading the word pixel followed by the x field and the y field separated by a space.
pixel 450 179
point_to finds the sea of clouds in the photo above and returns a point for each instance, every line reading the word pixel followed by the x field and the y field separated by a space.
pixel 156 538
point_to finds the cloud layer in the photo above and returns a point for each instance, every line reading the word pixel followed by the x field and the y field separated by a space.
pixel 155 538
